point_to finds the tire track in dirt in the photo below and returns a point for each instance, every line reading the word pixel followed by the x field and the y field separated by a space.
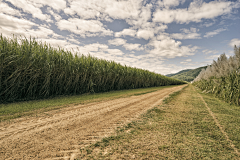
pixel 61 135
pixel 87 110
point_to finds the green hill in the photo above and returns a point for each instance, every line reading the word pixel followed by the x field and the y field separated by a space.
pixel 187 74
pixel 183 71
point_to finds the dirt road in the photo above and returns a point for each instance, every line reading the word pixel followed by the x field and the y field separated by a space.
pixel 60 134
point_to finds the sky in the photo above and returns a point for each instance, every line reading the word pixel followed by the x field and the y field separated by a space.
pixel 162 36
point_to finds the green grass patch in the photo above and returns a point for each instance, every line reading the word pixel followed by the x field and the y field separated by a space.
pixel 228 116
pixel 172 96
pixel 179 129
pixel 19 109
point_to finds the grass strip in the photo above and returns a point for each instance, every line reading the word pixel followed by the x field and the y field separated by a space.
pixel 172 96
pixel 227 115
pixel 19 109
pixel 182 128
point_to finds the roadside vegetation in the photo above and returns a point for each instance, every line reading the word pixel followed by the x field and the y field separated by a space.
pixel 34 70
pixel 36 107
pixel 180 128
pixel 222 78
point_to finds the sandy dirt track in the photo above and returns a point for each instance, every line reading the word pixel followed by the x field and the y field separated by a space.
pixel 60 134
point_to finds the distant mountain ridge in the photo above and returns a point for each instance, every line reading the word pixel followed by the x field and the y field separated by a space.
pixel 180 72
pixel 187 74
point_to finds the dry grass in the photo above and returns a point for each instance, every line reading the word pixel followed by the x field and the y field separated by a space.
pixel 180 129
pixel 34 107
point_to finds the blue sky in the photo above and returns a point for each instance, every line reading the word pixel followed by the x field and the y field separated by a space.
pixel 163 36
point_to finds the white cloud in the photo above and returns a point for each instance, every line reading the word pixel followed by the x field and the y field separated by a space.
pixel 207 51
pixel 213 57
pixel 187 34
pixel 73 40
pixel 90 9
pixel 126 32
pixel 145 34
pixel 123 9
pixel 95 47
pixel 41 32
pixel 215 32
pixel 165 16
pixel 84 27
pixel 10 25
pixel 101 51
pixel 127 46
pixel 170 48
pixel 55 42
pixel 133 46
pixel 117 41
pixel 170 3
pixel 115 52
pixel 186 62
pixel 12 22
pixel 93 9
pixel 162 36
pixel 207 24
pixel 56 4
pixel 31 8
pixel 142 21
pixel 159 28
pixel 4 8
pixel 196 11
pixel 57 17
pixel 234 42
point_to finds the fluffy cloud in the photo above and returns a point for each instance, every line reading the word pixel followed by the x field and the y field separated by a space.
pixel 187 61
pixel 57 17
pixel 126 32
pixel 117 41
pixel 55 42
pixel 213 56
pixel 170 3
pixel 29 7
pixel 196 11
pixel 115 52
pixel 84 27
pixel 187 34
pixel 10 25
pixel 142 20
pixel 170 48
pixel 207 51
pixel 56 4
pixel 234 42
pixel 207 24
pixel 213 33
pixel 4 8
pixel 92 9
pixel 127 46
pixel 145 34
pixel 14 23
pixel 132 46
pixel 123 9
pixel 95 47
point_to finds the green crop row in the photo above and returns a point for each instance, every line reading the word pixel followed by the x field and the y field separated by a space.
pixel 34 70
pixel 222 78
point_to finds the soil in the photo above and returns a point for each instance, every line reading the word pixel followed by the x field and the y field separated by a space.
pixel 60 134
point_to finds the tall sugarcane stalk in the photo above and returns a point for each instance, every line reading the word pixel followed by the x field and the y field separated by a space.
pixel 34 70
